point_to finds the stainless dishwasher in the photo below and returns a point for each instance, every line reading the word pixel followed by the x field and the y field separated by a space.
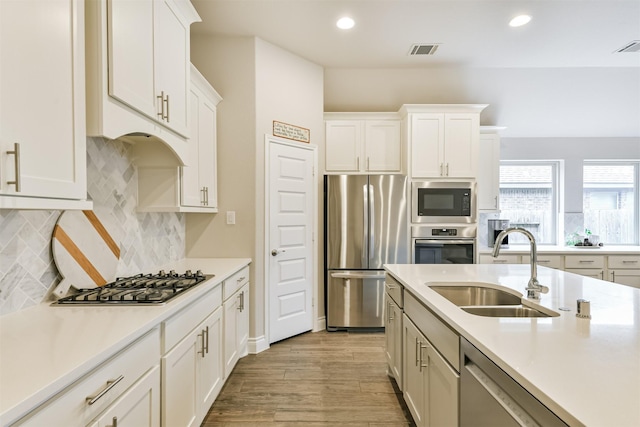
pixel 489 397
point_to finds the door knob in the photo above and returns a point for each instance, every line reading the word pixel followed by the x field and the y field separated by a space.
pixel 275 252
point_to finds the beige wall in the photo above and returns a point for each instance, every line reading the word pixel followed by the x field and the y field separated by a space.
pixel 259 83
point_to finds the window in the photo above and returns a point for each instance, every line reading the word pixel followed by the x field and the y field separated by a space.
pixel 610 201
pixel 529 199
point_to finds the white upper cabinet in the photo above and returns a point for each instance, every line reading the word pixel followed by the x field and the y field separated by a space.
pixel 489 170
pixel 138 68
pixel 443 140
pixel 42 111
pixel 363 143
pixel 199 179
pixel 166 186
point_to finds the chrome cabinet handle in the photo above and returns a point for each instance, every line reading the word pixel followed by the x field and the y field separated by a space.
pixel 110 384
pixel 368 166
pixel 240 279
pixel 161 98
pixel 417 347
pixel 499 261
pixel 206 332
pixel 441 169
pixel 422 365
pixel 206 192
pixel 447 169
pixel 202 197
pixel 358 162
pixel 544 261
pixel 633 261
pixel 390 315
pixel 202 338
pixel 613 276
pixel 495 202
pixel 16 160
pixel 167 116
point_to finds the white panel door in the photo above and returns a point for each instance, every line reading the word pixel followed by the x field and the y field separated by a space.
pixel 462 135
pixel 427 140
pixel 291 204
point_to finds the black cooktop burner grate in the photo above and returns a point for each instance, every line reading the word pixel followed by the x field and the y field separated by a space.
pixel 139 289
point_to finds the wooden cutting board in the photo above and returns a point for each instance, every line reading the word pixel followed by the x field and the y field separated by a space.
pixel 85 252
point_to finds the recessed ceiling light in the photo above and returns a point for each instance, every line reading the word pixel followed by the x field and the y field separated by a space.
pixel 520 20
pixel 345 23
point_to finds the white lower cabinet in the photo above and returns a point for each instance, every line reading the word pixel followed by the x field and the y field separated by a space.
pixel 125 386
pixel 236 328
pixel 393 338
pixel 431 386
pixel 192 369
pixel 624 269
pixel 137 407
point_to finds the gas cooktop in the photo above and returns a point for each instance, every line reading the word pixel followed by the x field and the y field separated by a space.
pixel 139 289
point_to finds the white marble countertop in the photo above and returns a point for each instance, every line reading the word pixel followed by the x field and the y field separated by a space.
pixel 45 348
pixel 587 371
pixel 565 250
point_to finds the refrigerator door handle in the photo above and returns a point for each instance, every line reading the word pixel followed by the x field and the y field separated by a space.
pixel 365 229
pixel 357 276
pixel 372 221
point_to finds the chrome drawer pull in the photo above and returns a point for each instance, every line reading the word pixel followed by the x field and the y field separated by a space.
pixel 629 261
pixel 110 384
pixel 16 159
pixel 586 261
pixel 240 279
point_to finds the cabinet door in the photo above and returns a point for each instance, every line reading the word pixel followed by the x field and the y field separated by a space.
pixel 625 277
pixel 382 146
pixel 179 382
pixel 207 164
pixel 442 391
pixel 343 140
pixel 210 365
pixel 243 321
pixel 171 64
pixel 427 139
pixel 42 99
pixel 131 61
pixel 138 406
pixel 489 173
pixel 462 134
pixel 231 307
pixel 414 375
pixel 192 193
pixel 393 337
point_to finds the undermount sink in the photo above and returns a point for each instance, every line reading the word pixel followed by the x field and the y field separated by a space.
pixel 474 295
pixel 507 311
pixel 481 300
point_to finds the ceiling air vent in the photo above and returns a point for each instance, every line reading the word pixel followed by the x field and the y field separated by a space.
pixel 423 49
pixel 633 46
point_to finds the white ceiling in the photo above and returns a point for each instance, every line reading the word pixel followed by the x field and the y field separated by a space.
pixel 471 33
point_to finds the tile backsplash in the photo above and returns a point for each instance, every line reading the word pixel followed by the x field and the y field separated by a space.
pixel 148 240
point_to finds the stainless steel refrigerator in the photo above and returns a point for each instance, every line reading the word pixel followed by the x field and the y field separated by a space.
pixel 365 227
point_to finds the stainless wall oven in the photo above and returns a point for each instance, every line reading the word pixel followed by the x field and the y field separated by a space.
pixel 443 245
pixel 438 202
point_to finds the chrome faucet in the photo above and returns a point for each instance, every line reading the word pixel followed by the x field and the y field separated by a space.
pixel 534 288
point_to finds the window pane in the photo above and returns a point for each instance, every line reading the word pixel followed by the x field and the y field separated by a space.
pixel 609 201
pixel 527 199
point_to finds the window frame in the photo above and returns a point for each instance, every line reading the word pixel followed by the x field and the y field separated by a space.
pixel 556 189
pixel 636 192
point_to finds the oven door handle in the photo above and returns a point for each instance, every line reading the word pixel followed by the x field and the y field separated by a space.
pixel 357 276
pixel 444 241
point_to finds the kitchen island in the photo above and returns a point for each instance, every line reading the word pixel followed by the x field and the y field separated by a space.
pixel 586 371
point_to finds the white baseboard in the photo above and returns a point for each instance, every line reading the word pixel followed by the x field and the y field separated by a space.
pixel 257 345
pixel 321 324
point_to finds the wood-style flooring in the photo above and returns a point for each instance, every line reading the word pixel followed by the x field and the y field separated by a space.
pixel 314 379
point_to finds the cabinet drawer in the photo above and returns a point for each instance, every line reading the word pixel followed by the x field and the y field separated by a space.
pixel 71 408
pixel 624 261
pixel 235 282
pixel 584 261
pixel 552 261
pixel 394 289
pixel 176 327
pixel 445 340
pixel 501 259
pixel 596 273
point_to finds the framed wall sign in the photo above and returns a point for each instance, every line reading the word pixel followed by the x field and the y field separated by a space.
pixel 288 131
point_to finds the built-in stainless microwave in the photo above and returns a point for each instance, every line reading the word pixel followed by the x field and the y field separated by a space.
pixel 437 202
